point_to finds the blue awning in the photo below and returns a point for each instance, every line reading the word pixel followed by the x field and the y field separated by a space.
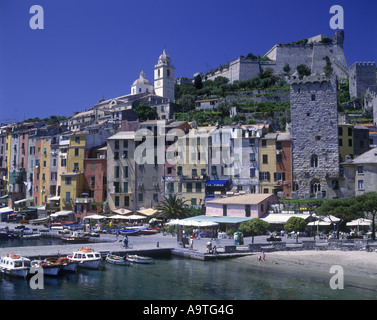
pixel 216 183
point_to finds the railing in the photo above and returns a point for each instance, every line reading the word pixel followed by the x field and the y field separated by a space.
pixel 84 200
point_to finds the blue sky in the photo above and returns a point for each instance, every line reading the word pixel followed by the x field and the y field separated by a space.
pixel 97 48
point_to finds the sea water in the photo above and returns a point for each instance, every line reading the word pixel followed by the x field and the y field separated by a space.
pixel 180 279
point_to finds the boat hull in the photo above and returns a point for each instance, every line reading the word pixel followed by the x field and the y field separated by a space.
pixel 139 259
pixel 93 264
pixel 117 260
pixel 20 273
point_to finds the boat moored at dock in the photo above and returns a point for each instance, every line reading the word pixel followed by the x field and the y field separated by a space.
pixel 49 268
pixel 15 265
pixel 118 260
pixel 86 258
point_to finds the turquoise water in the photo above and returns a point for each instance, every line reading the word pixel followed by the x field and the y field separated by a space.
pixel 180 279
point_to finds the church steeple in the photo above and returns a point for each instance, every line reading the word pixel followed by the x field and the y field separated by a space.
pixel 164 77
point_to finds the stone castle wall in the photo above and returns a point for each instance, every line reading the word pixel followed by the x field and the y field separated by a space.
pixel 362 77
pixel 314 132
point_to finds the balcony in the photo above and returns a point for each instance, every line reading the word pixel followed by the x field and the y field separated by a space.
pixel 83 200
pixel 193 178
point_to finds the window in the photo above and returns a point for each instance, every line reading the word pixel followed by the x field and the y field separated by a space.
pixel 140 197
pixel 360 184
pixel 155 197
pixel 265 190
pixel 116 155
pixel 125 187
pixel 179 170
pixel 340 131
pixel 77 139
pixel 213 170
pixel 251 142
pixel 171 187
pixel 67 196
pixel 265 158
pixel 314 161
pixel 68 181
pixel 54 176
pixel 116 144
pixel 264 176
pixel 350 132
pixel 44 164
pixel 247 210
pixel 252 156
pixel 76 152
pixel 125 172
pixel 360 169
pixel 92 181
pixel 340 142
pixel 225 210
pixel 279 158
pixel 75 166
pixel 93 166
pixel 125 143
pixel 63 162
pixel 313 97
pixel 252 172
pixel 189 187
pixel 116 172
pixel 198 187
pixel 315 187
pixel 350 142
pixel 125 154
pixel 116 201
pixel 126 201
pixel 264 143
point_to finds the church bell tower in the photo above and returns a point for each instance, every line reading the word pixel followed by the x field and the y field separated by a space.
pixel 164 77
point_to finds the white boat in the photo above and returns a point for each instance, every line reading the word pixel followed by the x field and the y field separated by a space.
pixel 86 258
pixel 65 264
pixel 114 259
pixel 139 259
pixel 15 265
pixel 49 269
pixel 31 236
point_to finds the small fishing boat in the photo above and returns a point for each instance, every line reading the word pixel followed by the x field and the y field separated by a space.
pixel 15 265
pixel 129 232
pixel 65 264
pixel 119 260
pixel 139 259
pixel 30 236
pixel 86 258
pixel 49 268
pixel 75 237
pixel 146 230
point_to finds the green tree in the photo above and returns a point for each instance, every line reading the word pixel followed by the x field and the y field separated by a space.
pixel 287 68
pixel 368 204
pixel 173 207
pixel 295 224
pixel 146 112
pixel 328 68
pixel 254 226
pixel 345 209
pixel 187 101
pixel 303 71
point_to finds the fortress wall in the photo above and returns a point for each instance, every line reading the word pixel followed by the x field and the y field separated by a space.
pixel 362 78
pixel 293 55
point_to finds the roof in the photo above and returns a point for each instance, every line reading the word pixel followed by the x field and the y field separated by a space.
pixel 279 218
pixel 367 157
pixel 125 135
pixel 219 219
pixel 251 198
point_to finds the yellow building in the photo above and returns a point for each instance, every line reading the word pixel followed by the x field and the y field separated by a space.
pixel 192 165
pixel 44 173
pixel 346 143
pixel 267 163
pixel 72 181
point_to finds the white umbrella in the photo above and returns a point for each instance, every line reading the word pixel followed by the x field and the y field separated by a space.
pixel 118 216
pixel 135 217
pixel 173 222
pixel 95 217
pixel 206 223
pixel 189 223
pixel 330 219
pixel 359 222
pixel 319 223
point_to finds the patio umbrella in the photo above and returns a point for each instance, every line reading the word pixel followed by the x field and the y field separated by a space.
pixel 189 223
pixel 95 217
pixel 319 223
pixel 135 217
pixel 118 216
pixel 173 222
pixel 206 223
pixel 359 222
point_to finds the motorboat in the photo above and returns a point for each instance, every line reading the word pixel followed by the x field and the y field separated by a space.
pixel 129 232
pixel 65 264
pixel 139 259
pixel 15 265
pixel 118 260
pixel 30 236
pixel 145 230
pixel 75 237
pixel 49 268
pixel 86 258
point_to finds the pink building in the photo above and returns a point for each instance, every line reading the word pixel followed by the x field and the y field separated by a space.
pixel 244 206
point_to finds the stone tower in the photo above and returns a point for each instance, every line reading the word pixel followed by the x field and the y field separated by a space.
pixel 362 77
pixel 164 77
pixel 314 132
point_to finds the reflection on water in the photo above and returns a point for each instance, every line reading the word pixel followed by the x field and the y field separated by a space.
pixel 179 279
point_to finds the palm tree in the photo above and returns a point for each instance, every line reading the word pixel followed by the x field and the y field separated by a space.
pixel 173 208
